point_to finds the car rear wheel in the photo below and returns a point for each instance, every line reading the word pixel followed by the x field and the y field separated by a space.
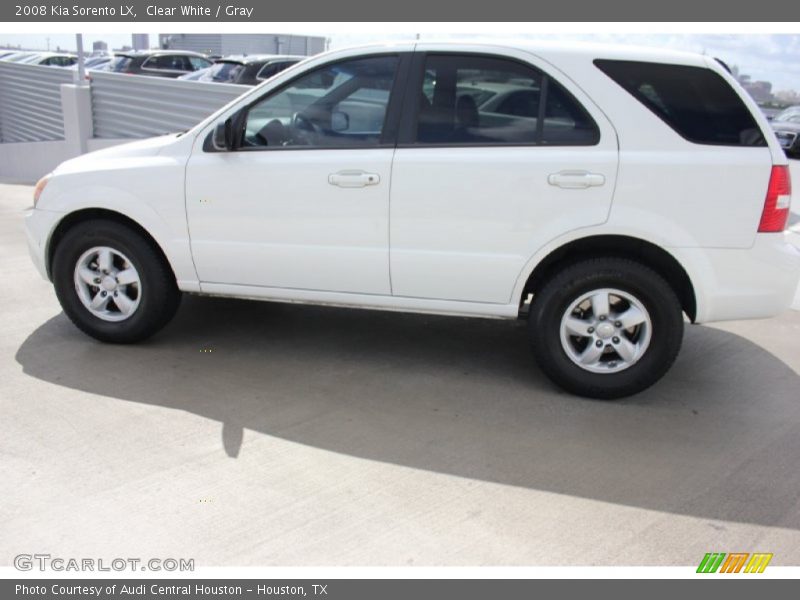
pixel 112 283
pixel 606 328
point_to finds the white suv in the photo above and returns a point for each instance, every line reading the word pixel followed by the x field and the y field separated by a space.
pixel 601 193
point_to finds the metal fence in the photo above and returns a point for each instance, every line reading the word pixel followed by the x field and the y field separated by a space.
pixel 30 102
pixel 134 106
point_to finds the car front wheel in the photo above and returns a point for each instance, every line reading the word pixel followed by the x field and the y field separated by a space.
pixel 112 282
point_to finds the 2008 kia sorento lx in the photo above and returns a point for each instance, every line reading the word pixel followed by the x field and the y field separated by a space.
pixel 601 193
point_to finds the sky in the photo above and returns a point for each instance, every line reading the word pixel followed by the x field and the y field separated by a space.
pixel 770 57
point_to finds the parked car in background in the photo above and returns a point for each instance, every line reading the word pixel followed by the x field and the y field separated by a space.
pixel 94 63
pixel 273 66
pixel 378 177
pixel 158 63
pixel 197 75
pixel 18 56
pixel 5 53
pixel 783 114
pixel 787 129
pixel 247 69
pixel 50 59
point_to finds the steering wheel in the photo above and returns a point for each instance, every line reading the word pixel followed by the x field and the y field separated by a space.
pixel 306 128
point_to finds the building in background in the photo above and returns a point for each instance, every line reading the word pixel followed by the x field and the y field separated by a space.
pixel 222 44
pixel 761 91
pixel 99 47
pixel 140 41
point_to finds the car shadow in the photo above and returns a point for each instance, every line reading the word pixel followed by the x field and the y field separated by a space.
pixel 718 438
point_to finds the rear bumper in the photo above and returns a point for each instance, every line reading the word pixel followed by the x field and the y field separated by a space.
pixel 752 283
pixel 39 226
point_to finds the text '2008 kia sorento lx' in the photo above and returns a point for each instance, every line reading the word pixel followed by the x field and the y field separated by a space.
pixel 601 193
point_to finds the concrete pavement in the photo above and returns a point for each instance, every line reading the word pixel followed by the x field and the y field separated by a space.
pixel 321 436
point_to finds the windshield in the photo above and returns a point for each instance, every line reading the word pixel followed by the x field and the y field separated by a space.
pixel 225 71
pixel 97 60
pixel 119 64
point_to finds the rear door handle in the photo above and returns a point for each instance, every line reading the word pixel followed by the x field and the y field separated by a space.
pixel 576 180
pixel 353 179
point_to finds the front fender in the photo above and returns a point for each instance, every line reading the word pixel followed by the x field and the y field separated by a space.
pixel 153 198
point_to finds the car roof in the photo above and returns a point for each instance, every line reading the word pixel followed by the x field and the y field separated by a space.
pixel 785 125
pixel 49 54
pixel 17 56
pixel 566 49
pixel 146 53
pixel 252 58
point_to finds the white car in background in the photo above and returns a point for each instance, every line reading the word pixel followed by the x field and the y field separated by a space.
pixel 18 56
pixel 628 189
pixel 50 59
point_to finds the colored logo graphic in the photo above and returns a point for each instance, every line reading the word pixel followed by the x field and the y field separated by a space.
pixel 735 562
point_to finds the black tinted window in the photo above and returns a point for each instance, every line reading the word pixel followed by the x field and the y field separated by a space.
pixel 168 62
pixel 696 102
pixel 485 100
pixel 270 69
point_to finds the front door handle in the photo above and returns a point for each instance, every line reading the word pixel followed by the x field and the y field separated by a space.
pixel 353 179
pixel 576 180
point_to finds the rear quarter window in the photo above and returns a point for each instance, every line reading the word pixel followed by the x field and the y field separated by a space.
pixel 694 101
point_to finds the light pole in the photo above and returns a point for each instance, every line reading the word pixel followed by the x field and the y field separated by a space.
pixel 80 73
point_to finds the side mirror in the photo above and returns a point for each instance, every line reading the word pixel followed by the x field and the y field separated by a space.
pixel 228 134
pixel 340 121
pixel 223 135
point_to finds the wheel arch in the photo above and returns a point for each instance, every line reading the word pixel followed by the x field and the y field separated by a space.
pixel 88 214
pixel 623 246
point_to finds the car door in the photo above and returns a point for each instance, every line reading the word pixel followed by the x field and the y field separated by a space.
pixel 497 156
pixel 303 202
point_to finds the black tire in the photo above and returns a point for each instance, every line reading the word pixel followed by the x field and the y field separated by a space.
pixel 567 286
pixel 160 296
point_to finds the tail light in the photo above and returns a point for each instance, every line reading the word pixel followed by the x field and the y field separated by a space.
pixel 776 205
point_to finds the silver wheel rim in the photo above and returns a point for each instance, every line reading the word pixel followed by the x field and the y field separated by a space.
pixel 606 331
pixel 108 284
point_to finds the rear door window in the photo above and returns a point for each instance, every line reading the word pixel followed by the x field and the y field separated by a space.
pixel 694 101
pixel 487 100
